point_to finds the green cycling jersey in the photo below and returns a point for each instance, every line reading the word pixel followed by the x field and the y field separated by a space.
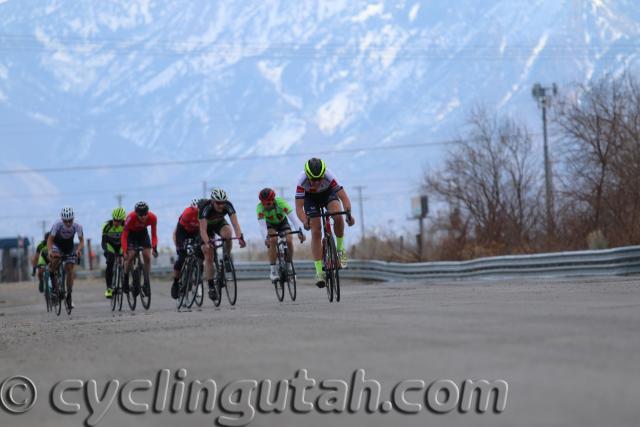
pixel 275 215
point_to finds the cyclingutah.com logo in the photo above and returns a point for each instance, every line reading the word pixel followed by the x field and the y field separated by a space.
pixel 237 402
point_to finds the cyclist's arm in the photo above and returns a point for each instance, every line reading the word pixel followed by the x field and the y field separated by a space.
pixel 235 224
pixel 175 230
pixel 344 198
pixel 300 211
pixel 264 231
pixel 34 261
pixel 123 239
pixel 104 241
pixel 154 235
pixel 203 230
pixel 50 244
pixel 295 224
pixel 81 243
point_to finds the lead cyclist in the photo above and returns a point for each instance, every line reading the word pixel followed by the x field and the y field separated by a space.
pixel 317 188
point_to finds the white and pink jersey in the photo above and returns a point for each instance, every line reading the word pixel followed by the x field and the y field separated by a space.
pixel 328 183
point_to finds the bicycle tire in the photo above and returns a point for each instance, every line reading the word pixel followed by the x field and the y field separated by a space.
pixel 291 283
pixel 47 291
pixel 119 292
pixel 231 282
pixel 194 284
pixel 183 285
pixel 199 299
pixel 144 298
pixel 65 292
pixel 279 283
pixel 335 277
pixel 132 298
pixel 328 272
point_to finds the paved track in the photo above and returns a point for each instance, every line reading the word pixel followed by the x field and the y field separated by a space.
pixel 569 349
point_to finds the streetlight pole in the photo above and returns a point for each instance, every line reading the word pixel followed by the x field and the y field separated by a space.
pixel 543 96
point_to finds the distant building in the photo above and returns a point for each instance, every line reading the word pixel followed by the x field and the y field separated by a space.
pixel 14 259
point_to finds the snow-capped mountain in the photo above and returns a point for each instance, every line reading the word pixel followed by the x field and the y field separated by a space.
pixel 85 83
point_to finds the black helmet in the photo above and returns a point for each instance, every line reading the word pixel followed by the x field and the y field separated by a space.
pixel 142 208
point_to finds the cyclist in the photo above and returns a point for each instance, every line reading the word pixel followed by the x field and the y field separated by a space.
pixel 211 215
pixel 317 188
pixel 40 260
pixel 188 227
pixel 275 216
pixel 60 246
pixel 112 244
pixel 135 234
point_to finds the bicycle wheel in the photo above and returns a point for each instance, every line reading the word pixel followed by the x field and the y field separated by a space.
pixel 327 259
pixel 199 288
pixel 132 299
pixel 291 283
pixel 119 293
pixel 183 286
pixel 279 283
pixel 114 287
pixel 335 263
pixel 194 284
pixel 230 280
pixel 145 298
pixel 47 291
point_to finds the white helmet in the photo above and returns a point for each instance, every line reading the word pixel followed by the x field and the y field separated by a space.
pixel 194 202
pixel 219 195
pixel 66 213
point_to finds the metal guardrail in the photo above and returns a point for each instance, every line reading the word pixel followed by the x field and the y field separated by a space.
pixel 609 262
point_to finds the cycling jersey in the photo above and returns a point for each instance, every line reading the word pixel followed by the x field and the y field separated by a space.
pixel 43 253
pixel 63 235
pixel 275 215
pixel 207 211
pixel 133 224
pixel 189 220
pixel 111 237
pixel 328 183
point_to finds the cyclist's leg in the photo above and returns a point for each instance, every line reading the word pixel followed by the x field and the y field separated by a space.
pixel 108 274
pixel 146 259
pixel 224 231
pixel 272 235
pixel 312 206
pixel 335 205
pixel 54 262
pixel 128 262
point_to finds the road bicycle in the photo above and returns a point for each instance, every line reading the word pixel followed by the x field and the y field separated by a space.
pixel 285 274
pixel 330 261
pixel 190 285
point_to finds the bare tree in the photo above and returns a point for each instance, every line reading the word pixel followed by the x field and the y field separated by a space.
pixel 600 128
pixel 490 176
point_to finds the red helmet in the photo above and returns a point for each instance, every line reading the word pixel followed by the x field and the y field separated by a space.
pixel 267 195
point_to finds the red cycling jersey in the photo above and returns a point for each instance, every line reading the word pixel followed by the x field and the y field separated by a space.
pixel 189 220
pixel 133 223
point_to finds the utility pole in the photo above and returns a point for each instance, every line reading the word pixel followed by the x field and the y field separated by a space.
pixel 43 223
pixel 543 96
pixel 361 207
pixel 281 191
pixel 119 198
pixel 204 189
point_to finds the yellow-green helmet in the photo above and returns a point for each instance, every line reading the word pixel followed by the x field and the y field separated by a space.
pixel 315 168
pixel 119 214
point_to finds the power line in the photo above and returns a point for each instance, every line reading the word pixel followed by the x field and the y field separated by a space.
pixel 222 159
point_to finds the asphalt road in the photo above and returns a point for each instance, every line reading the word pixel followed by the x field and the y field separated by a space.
pixel 569 350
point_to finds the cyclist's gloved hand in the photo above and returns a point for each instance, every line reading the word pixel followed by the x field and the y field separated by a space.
pixel 266 242
pixel 350 219
pixel 242 242
pixel 155 252
pixel 301 236
pixel 33 272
